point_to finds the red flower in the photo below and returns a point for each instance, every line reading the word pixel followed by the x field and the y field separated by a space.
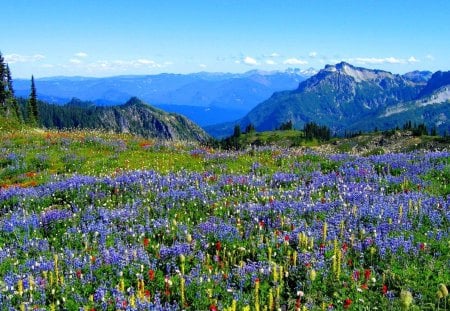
pixel 78 273
pixel 364 286
pixel 213 307
pixel 384 289
pixel 347 303
pixel 147 293
pixel 344 247
pixel 218 246
pixel 422 246
pixel 146 242
pixel 367 273
pixel 151 274
pixel 286 238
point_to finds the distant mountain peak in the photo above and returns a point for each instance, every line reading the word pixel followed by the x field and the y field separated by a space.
pixel 417 76
pixel 134 101
pixel 359 74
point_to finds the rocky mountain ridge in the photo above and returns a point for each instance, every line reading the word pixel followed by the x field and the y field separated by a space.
pixel 348 98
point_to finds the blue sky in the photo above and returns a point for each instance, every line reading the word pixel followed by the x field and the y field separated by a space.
pixel 105 38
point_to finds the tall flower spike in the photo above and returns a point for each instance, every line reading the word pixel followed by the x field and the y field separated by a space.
pixel 405 299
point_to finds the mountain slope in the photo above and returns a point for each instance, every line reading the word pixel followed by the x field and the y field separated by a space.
pixel 134 117
pixel 335 96
pixel 344 97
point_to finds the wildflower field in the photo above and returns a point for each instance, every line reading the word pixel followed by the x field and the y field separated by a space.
pixel 93 221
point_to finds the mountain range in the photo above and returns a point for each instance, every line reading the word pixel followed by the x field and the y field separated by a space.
pixel 206 98
pixel 348 98
pixel 135 117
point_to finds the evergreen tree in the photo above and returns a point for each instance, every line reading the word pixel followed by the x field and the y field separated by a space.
pixel 2 82
pixel 286 126
pixel 250 128
pixel 12 99
pixel 237 131
pixel 32 108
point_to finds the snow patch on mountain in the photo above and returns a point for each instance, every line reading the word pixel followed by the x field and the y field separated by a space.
pixel 442 96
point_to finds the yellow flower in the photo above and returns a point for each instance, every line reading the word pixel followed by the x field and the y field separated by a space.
pixel 312 275
pixel 443 289
pixel 405 299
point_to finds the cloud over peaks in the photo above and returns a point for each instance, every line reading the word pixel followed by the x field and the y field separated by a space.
pixel 250 61
pixel 385 60
pixel 295 61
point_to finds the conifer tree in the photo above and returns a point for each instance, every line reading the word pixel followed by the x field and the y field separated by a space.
pixel 32 107
pixel 2 82
pixel 12 99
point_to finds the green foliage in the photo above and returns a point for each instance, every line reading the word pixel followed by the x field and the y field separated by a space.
pixel 9 108
pixel 286 126
pixel 313 130
pixel 33 113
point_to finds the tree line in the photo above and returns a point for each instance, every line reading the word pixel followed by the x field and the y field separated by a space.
pixel 311 131
pixel 9 105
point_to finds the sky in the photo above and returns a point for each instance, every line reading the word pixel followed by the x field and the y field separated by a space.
pixel 114 37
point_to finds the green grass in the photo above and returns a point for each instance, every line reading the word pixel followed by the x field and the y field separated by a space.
pixel 287 138
pixel 40 155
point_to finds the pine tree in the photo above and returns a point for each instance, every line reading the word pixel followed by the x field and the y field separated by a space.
pixel 32 107
pixel 2 82
pixel 12 99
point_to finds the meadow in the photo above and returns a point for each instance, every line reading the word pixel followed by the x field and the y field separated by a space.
pixel 95 221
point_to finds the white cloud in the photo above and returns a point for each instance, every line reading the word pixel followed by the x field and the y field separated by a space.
pixel 274 54
pixel 250 61
pixel 295 61
pixel 202 66
pixel 385 60
pixel 17 58
pixel 429 57
pixel 75 61
pixel 81 54
pixel 270 62
pixel 375 60
pixel 146 62
pixel 312 54
pixel 120 65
